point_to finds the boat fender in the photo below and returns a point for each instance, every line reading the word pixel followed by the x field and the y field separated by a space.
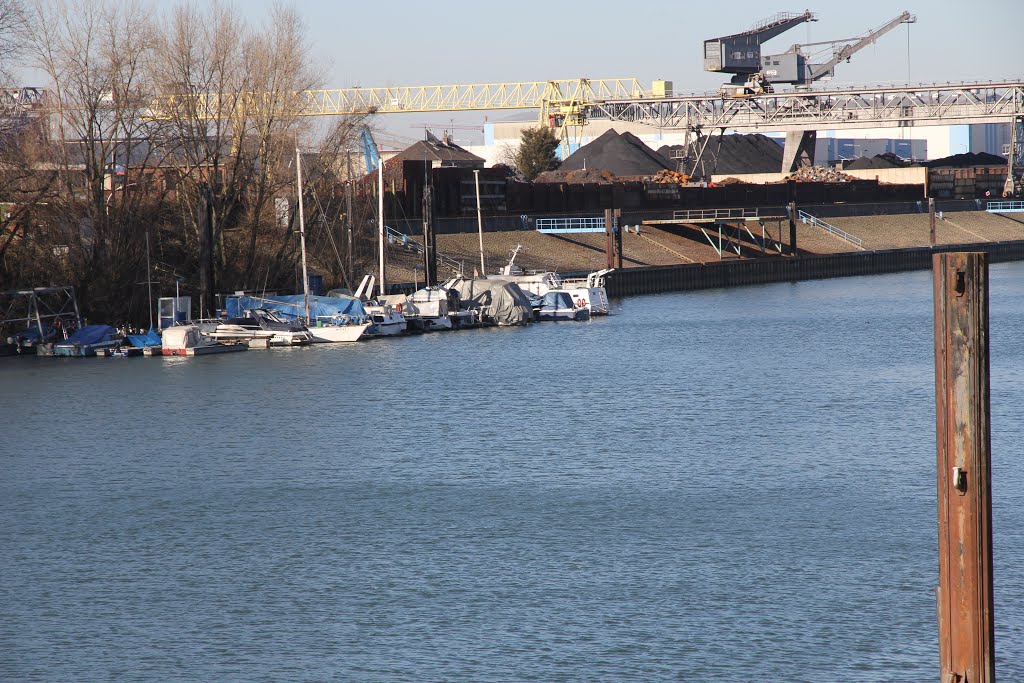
pixel 398 307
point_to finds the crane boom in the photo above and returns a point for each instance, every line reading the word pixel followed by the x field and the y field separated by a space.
pixel 370 152
pixel 391 100
pixel 562 103
pixel 816 71
pixel 793 66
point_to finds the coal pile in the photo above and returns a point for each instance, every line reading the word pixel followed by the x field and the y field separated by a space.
pixel 620 154
pixel 887 160
pixel 732 155
pixel 967 160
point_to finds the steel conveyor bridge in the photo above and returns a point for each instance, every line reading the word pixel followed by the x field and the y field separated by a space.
pixel 799 110
pixel 625 100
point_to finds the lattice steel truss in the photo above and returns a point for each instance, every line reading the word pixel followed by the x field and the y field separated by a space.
pixel 826 109
pixel 395 100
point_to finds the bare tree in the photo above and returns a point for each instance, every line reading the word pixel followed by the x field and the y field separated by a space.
pixel 186 134
pixel 336 215
pixel 12 25
pixel 95 53
pixel 232 110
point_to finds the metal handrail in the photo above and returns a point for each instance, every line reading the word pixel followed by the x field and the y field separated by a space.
pixel 399 236
pixel 996 207
pixel 572 223
pixel 705 214
pixel 829 228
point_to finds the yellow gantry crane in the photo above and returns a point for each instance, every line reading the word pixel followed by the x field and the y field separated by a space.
pixel 562 103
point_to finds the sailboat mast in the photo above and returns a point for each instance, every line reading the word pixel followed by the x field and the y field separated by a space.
pixel 149 281
pixel 380 220
pixel 302 237
pixel 479 222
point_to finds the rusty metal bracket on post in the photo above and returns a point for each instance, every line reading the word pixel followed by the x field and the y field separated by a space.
pixel 964 593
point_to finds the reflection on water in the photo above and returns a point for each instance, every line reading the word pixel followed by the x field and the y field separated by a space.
pixel 715 486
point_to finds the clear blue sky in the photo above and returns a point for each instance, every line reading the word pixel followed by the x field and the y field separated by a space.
pixel 424 43
pixel 403 42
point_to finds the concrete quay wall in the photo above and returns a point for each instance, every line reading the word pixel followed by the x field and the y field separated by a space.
pixel 685 277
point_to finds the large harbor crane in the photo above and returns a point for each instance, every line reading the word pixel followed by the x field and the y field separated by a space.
pixel 740 53
pixel 753 73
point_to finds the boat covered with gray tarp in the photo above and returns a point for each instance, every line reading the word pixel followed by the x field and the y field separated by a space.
pixel 499 301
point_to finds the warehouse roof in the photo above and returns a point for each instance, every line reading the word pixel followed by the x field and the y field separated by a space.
pixel 442 151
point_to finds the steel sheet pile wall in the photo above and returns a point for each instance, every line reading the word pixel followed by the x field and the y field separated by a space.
pixel 519 198
pixel 657 279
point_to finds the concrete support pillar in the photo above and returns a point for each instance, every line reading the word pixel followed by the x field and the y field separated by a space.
pixel 799 150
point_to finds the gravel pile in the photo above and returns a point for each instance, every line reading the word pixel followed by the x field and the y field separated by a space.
pixel 589 175
pixel 819 174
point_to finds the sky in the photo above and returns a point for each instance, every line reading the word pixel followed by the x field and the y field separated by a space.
pixel 402 42
pixel 409 43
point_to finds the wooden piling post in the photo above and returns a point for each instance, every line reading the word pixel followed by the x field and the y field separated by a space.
pixel 964 594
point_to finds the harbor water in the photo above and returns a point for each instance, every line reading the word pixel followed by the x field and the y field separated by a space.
pixel 724 485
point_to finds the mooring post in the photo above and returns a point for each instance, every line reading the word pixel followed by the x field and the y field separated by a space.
pixel 609 248
pixel 792 229
pixel 964 593
pixel 931 221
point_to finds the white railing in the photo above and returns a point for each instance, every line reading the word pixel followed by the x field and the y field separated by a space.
pixel 570 224
pixel 713 214
pixel 818 223
pixel 1004 207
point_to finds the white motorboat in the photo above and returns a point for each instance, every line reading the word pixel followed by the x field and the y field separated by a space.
pixel 338 328
pixel 387 319
pixel 558 305
pixel 258 324
pixel 384 313
pixel 430 306
pixel 189 340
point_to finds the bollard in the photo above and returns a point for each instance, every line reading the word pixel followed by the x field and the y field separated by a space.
pixel 963 444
